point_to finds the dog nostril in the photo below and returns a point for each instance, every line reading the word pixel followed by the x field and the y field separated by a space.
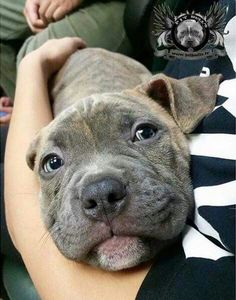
pixel 90 204
pixel 112 198
pixel 116 196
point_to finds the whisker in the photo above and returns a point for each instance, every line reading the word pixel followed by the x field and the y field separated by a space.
pixel 44 238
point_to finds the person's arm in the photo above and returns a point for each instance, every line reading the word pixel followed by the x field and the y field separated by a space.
pixel 54 276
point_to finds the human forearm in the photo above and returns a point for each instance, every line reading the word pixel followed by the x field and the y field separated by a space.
pixel 31 113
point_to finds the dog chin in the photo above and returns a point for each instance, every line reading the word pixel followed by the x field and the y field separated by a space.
pixel 119 252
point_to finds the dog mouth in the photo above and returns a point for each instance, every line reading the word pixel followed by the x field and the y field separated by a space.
pixel 116 245
pixel 119 252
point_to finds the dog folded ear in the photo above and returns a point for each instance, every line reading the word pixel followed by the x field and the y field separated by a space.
pixel 32 151
pixel 188 100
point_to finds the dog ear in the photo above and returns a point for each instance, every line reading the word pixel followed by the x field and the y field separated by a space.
pixel 188 100
pixel 32 151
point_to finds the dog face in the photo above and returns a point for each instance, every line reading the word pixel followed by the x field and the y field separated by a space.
pixel 114 170
pixel 190 33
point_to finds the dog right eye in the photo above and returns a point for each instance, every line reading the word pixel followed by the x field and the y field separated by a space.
pixel 51 163
pixel 144 132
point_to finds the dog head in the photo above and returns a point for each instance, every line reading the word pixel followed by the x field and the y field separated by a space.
pixel 190 33
pixel 114 170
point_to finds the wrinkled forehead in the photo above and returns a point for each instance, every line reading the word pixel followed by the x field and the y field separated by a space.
pixel 99 113
pixel 188 24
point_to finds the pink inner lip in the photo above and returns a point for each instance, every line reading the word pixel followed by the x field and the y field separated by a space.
pixel 116 244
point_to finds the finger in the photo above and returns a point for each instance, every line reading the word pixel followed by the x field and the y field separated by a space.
pixel 32 13
pixel 32 28
pixel 7 109
pixel 72 44
pixel 5 114
pixel 50 11
pixel 29 22
pixel 78 43
pixel 42 10
pixel 5 101
pixel 5 119
pixel 59 13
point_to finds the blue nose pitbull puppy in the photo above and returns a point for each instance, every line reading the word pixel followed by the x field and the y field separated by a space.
pixel 114 163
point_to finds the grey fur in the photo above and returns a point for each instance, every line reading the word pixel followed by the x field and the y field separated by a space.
pixel 93 136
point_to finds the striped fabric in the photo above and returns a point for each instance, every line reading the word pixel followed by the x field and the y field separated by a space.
pixel 213 150
pixel 201 265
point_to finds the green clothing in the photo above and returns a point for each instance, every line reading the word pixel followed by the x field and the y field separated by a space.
pixel 100 24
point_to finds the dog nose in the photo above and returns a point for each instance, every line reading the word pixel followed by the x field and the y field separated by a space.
pixel 103 199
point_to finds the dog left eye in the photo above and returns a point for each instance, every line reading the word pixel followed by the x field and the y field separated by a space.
pixel 51 163
pixel 145 132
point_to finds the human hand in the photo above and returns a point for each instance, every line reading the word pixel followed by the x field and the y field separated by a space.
pixel 5 110
pixel 54 10
pixel 31 13
pixel 53 54
pixel 39 13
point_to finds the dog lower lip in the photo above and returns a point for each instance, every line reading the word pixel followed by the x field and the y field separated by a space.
pixel 115 244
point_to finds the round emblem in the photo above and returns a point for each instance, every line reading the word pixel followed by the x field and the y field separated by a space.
pixel 190 32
